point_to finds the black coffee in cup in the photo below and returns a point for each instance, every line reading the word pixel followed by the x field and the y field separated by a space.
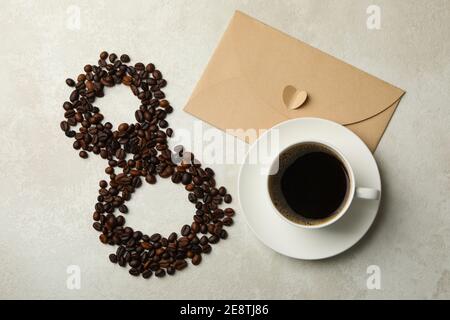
pixel 311 184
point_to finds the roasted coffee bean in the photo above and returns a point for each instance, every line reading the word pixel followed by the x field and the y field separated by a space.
pixel 97 226
pixel 70 82
pixel 169 132
pixel 222 191
pixel 183 241
pixel 155 237
pixel 87 68
pixel 113 258
pixel 213 239
pixel 112 57
pixel 173 237
pixel 229 212
pixel 147 273
pixel 134 263
pixel 192 198
pixel 74 96
pixel 195 227
pixel 210 172
pixel 171 271
pixel 186 178
pixel 123 127
pixel 134 272
pixel 150 68
pixel 124 58
pixel 103 238
pixel 64 126
pixel 120 220
pixel 227 198
pixel 206 248
pixel 96 216
pixel 138 150
pixel 176 177
pixel 151 179
pixel 137 235
pixel 104 55
pixel 227 221
pixel 223 234
pixel 157 74
pixel 139 115
pixel 160 273
pixel 185 230
pixel 196 259
pixel 180 264
pixel 83 154
pixel 204 240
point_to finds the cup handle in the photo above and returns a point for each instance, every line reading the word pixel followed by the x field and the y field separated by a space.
pixel 367 193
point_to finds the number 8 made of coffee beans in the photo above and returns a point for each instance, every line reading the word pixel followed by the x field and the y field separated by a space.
pixel 136 152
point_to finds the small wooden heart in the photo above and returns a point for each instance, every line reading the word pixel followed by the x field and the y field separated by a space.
pixel 293 98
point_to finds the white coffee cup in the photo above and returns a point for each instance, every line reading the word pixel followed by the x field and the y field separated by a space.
pixel 294 151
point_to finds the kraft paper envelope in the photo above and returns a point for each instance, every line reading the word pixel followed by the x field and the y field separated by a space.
pixel 255 68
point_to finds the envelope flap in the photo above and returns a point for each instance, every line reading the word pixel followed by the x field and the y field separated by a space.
pixel 270 60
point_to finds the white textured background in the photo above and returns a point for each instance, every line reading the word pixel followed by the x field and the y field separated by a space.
pixel 47 192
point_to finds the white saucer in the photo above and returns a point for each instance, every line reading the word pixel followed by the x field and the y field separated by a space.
pixel 293 241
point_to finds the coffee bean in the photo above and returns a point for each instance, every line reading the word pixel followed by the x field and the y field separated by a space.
pixel 185 230
pixel 210 172
pixel 155 237
pixel 147 273
pixel 139 115
pixel 104 55
pixel 160 273
pixel 213 239
pixel 74 96
pixel 176 177
pixel 134 272
pixel 70 82
pixel 125 58
pixel 222 191
pixel 229 212
pixel 87 68
pixel 195 227
pixel 150 68
pixel 223 234
pixel 81 78
pixel 97 226
pixel 123 127
pixel 192 198
pixel 171 271
pixel 113 258
pixel 64 126
pixel 196 259
pixel 137 235
pixel 112 57
pixel 173 236
pixel 83 154
pixel 157 74
pixel 180 264
pixel 227 221
pixel 103 238
pixel 134 263
pixel 96 216
pixel 120 220
pixel 206 248
pixel 186 178
pixel 227 198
